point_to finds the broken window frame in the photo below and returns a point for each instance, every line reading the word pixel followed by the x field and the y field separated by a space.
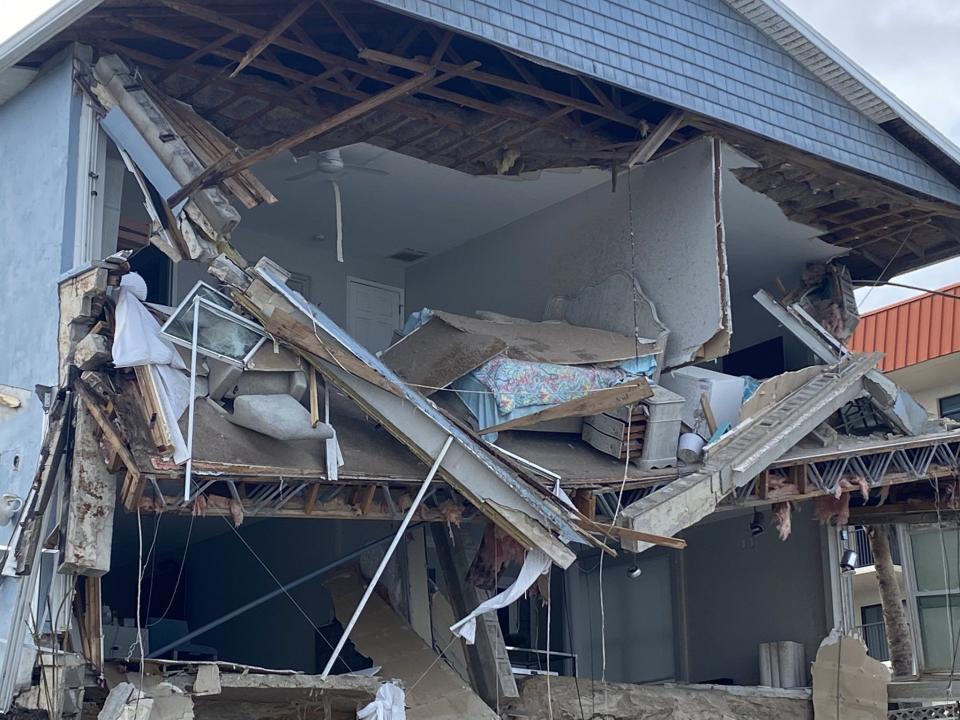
pixel 221 311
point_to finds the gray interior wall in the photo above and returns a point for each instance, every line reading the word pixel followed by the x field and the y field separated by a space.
pixel 328 278
pixel 743 590
pixel 639 627
pixel 558 250
pixel 275 634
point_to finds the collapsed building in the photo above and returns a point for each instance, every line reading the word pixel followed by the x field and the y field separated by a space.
pixel 375 356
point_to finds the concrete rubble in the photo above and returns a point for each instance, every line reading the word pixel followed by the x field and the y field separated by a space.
pixel 573 700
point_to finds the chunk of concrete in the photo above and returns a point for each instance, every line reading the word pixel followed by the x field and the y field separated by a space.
pixel 125 702
pixel 92 352
pixel 277 416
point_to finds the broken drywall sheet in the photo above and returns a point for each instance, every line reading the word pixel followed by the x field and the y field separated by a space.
pixel 857 689
pixel 673 251
pixel 434 690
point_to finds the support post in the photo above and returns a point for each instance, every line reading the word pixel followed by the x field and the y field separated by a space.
pixel 386 557
pixel 188 476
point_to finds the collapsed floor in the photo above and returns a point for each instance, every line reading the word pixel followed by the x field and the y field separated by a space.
pixel 574 423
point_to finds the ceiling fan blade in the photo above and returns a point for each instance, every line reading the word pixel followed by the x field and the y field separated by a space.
pixel 304 175
pixel 364 168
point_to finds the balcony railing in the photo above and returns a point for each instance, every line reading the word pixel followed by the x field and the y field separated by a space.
pixel 874 636
pixel 861 543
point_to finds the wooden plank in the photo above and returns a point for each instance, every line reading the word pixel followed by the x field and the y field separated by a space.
pixel 624 533
pixel 763 484
pixel 345 27
pixel 657 137
pixel 708 415
pixel 108 430
pixel 260 45
pixel 314 397
pixel 591 404
pixel 586 503
pixel 212 176
pixel 310 502
pixel 366 498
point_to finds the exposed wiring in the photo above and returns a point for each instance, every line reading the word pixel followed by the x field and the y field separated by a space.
pixel 906 239
pixel 284 589
pixel 883 283
pixel 176 585
pixel 549 624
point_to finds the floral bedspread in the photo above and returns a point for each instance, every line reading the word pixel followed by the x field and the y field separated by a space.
pixel 519 383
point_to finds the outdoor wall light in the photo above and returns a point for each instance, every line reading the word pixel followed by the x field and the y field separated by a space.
pixel 848 562
pixel 756 525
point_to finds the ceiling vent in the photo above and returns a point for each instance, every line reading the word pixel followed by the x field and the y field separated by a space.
pixel 408 255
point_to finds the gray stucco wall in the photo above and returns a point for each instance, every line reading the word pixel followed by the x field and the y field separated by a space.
pixel 36 190
pixel 37 140
pixel 743 590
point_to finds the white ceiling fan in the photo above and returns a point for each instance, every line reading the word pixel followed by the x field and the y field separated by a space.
pixel 330 163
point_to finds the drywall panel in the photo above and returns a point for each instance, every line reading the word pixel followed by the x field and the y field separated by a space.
pixel 313 259
pixel 674 251
pixel 742 590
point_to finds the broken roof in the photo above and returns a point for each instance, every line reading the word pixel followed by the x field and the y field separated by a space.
pixel 828 149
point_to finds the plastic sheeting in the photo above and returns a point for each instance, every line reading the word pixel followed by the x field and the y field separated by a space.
pixel 535 564
pixel 388 705
pixel 137 342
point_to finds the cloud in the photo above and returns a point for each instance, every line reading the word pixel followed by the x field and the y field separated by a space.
pixel 912 49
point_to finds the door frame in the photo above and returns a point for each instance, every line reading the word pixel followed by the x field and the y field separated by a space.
pixel 401 315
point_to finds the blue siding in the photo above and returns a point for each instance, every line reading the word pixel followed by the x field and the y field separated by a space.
pixel 697 54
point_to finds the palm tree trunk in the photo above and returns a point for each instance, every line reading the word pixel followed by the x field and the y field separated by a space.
pixel 891 600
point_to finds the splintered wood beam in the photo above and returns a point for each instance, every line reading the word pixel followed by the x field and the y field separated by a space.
pixel 212 175
pixel 260 45
pixel 504 83
pixel 197 55
pixel 345 27
pixel 545 120
pixel 441 48
pixel 597 92
pixel 655 139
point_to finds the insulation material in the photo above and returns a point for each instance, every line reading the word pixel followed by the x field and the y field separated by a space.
pixel 388 705
pixel 847 683
pixel 497 551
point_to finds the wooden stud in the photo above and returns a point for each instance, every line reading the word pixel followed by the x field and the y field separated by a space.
pixel 212 175
pixel 656 138
pixel 345 27
pixel 260 45
pixel 314 396
pixel 763 484
pixel 310 502
pixel 366 498
pixel 708 415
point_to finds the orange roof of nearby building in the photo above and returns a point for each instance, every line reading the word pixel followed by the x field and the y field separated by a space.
pixel 909 332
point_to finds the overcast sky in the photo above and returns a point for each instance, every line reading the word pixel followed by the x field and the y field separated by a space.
pixel 910 46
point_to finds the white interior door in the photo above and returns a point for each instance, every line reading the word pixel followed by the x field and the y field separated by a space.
pixel 374 312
